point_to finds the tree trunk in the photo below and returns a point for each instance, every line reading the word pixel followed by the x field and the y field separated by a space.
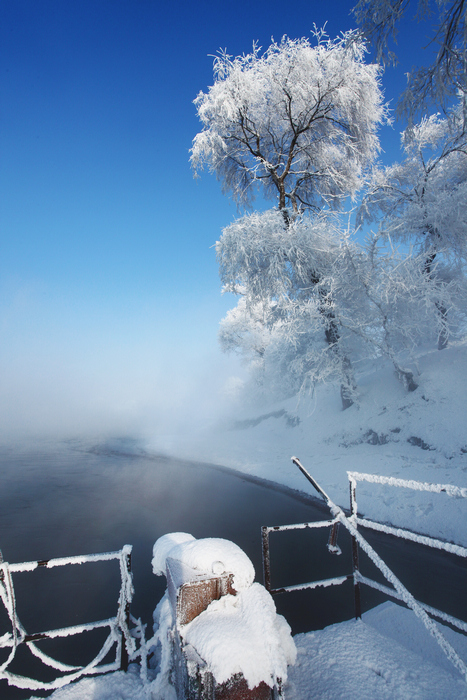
pixel 443 334
pixel 332 335
pixel 348 385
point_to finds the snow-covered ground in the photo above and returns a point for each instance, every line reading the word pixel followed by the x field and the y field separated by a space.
pixel 386 656
pixel 420 436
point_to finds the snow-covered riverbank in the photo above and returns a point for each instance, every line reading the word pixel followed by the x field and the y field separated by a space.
pixel 420 435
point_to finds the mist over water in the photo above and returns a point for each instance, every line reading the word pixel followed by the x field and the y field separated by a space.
pixel 113 394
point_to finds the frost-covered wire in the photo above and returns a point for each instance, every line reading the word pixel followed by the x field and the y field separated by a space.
pixel 405 595
pixel 118 628
pixel 448 489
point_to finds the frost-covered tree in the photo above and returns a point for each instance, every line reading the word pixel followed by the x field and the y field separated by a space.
pixel 286 274
pixel 255 331
pixel 382 302
pixel 422 201
pixel 297 123
pixel 398 304
pixel 446 76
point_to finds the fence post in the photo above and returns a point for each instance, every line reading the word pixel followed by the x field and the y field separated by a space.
pixel 124 651
pixel 355 566
pixel 266 558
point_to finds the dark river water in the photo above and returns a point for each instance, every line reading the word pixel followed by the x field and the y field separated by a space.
pixel 74 499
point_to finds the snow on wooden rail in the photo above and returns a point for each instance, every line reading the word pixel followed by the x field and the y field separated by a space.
pixel 119 634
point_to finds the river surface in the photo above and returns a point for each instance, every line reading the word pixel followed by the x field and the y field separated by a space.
pixel 73 498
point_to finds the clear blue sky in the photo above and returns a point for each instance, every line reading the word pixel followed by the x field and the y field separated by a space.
pixel 109 294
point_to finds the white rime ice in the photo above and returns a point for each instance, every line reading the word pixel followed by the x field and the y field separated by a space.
pixel 118 628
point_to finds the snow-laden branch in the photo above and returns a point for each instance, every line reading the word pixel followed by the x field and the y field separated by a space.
pixel 446 76
pixel 423 199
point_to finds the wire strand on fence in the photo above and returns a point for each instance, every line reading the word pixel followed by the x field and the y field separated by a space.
pixel 350 523
pixel 119 632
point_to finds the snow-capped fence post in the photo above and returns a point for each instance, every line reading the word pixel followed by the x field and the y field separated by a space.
pixel 221 630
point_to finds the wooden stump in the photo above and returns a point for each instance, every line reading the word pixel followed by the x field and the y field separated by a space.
pixel 190 593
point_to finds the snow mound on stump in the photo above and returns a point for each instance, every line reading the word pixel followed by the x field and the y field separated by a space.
pixel 243 634
pixel 211 556
pixel 162 548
